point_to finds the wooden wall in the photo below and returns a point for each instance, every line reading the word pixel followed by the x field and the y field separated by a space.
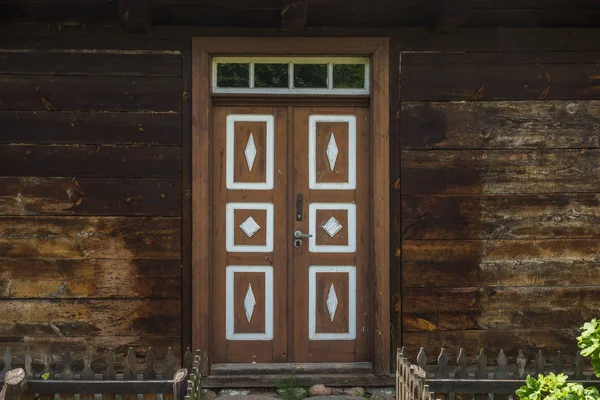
pixel 500 183
pixel 91 200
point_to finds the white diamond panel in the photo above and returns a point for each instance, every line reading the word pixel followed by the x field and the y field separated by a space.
pixel 332 302
pixel 249 303
pixel 332 226
pixel 250 152
pixel 250 227
pixel 332 151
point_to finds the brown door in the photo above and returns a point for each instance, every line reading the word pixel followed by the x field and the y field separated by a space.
pixel 290 274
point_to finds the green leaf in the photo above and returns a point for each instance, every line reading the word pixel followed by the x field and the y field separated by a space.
pixel 45 376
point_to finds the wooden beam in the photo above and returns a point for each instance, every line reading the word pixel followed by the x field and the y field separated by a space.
pixel 136 15
pixel 293 15
pixel 447 16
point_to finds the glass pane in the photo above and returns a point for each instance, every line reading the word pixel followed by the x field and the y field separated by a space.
pixel 310 75
pixel 350 76
pixel 233 75
pixel 271 75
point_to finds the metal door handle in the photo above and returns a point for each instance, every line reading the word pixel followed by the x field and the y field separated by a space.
pixel 299 234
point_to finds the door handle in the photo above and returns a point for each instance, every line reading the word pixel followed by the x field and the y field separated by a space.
pixel 299 234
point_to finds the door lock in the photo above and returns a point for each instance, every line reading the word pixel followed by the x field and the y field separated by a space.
pixel 298 243
pixel 299 234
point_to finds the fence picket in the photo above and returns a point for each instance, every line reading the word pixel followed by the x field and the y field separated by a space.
pixel 8 359
pixel 559 365
pixel 67 373
pixel 578 367
pixel 521 363
pixel 462 373
pixel 481 373
pixel 47 372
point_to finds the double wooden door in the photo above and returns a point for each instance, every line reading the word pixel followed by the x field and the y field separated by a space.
pixel 291 273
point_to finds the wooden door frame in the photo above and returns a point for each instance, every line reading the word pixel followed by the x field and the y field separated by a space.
pixel 203 48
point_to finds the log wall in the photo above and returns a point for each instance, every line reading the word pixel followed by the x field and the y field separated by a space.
pixel 500 185
pixel 91 200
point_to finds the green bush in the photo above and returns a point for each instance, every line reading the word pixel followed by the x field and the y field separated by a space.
pixel 589 343
pixel 555 387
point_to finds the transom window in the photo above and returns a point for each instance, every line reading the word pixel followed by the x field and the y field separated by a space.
pixel 291 75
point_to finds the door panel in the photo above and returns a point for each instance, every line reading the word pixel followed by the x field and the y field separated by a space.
pixel 249 271
pixel 274 301
pixel 331 167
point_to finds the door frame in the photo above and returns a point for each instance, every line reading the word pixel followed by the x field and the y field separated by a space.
pixel 203 49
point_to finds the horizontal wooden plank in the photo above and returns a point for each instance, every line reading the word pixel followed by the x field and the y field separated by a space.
pixel 500 125
pixel 501 216
pixel 90 196
pixel 487 263
pixel 62 279
pixel 119 238
pixel 529 340
pixel 85 318
pixel 67 127
pixel 500 308
pixel 92 386
pixel 445 82
pixel 91 161
pixel 96 345
pixel 505 57
pixel 91 62
pixel 500 171
pixel 90 93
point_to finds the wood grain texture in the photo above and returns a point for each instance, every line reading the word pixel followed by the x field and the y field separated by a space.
pixel 66 127
pixel 103 278
pixel 497 308
pixel 90 93
pixel 123 238
pixel 500 125
pixel 501 216
pixel 485 263
pixel 500 171
pixel 86 160
pixel 85 318
pixel 93 63
pixel 446 82
pixel 90 196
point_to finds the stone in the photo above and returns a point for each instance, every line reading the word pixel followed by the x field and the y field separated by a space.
pixel 354 391
pixel 319 390
pixel 233 392
pixel 210 395
pixel 381 395
pixel 336 391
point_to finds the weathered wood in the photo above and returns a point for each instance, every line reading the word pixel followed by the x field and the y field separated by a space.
pixel 260 381
pixel 90 62
pixel 447 16
pixel 457 309
pixel 500 125
pixel 96 161
pixel 500 171
pixel 568 216
pixel 45 93
pixel 73 127
pixel 7 358
pixel 551 263
pixel 92 278
pixel 84 318
pixel 443 82
pixel 127 387
pixel 503 57
pixel 136 15
pixel 90 196
pixel 123 238
pixel 293 15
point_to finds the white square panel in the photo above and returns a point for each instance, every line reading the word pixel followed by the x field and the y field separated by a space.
pixel 230 228
pixel 313 270
pixel 332 151
pixel 250 152
pixel 230 306
pixel 313 247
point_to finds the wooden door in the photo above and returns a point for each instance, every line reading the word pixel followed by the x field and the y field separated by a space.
pixel 278 170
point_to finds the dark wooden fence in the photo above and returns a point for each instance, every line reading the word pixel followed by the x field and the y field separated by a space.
pixel 172 383
pixel 423 381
